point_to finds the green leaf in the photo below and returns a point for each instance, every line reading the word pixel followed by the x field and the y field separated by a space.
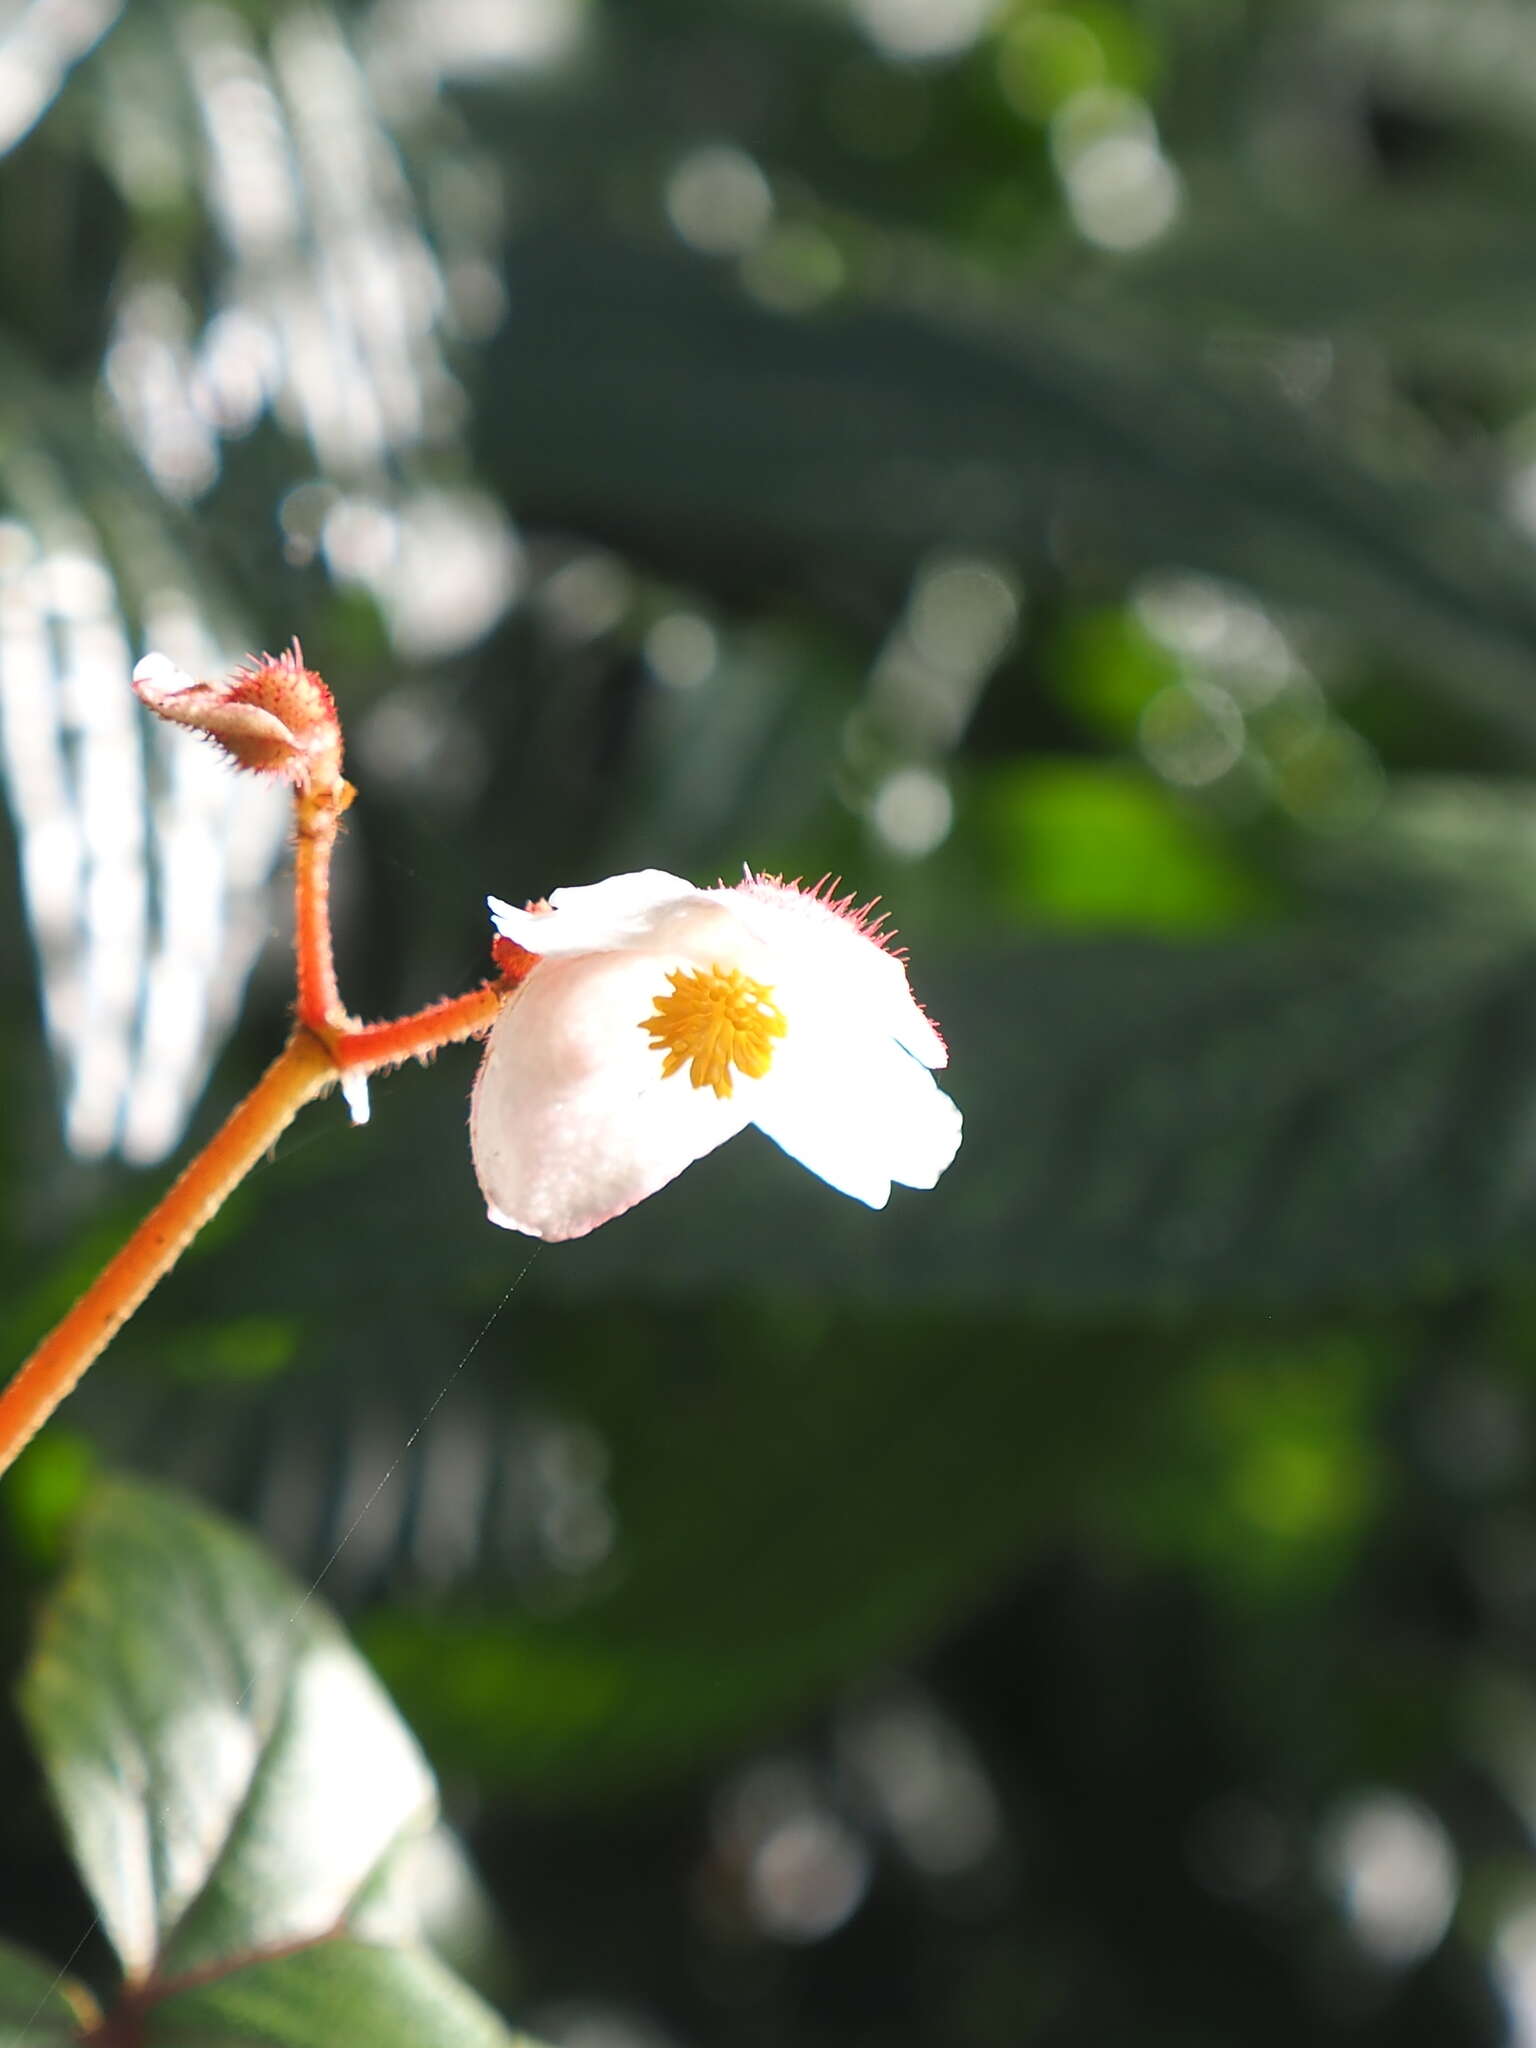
pixel 337 1992
pixel 797 1499
pixel 800 1502
pixel 705 432
pixel 39 2006
pixel 230 1773
pixel 1431 277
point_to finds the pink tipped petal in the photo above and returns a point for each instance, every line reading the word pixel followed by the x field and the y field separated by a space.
pixel 919 1034
pixel 833 952
pixel 571 1122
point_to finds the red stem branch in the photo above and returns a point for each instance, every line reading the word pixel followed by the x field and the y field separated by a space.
pixel 366 1048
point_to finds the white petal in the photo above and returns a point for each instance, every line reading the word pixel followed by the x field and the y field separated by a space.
pixel 913 1028
pixel 626 910
pixel 572 1122
pixel 162 672
pixel 860 1115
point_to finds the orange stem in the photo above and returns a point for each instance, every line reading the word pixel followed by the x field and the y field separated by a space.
pixel 301 1071
pixel 368 1047
pixel 319 1004
pixel 326 1043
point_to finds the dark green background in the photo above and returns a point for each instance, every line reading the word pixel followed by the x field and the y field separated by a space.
pixel 1166 1474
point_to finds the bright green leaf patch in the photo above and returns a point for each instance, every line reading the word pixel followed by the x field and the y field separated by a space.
pixel 1105 667
pixel 1264 1474
pixel 44 1493
pixel 1102 844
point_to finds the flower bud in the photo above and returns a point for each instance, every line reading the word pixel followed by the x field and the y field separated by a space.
pixel 274 716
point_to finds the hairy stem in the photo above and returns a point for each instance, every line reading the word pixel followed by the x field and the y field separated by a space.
pixel 301 1071
pixel 319 1005
pixel 365 1048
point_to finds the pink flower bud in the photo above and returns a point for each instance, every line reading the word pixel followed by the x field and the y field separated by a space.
pixel 274 716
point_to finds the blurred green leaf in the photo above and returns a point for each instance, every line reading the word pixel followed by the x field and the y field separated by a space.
pixel 39 2006
pixel 1439 276
pixel 775 1533
pixel 703 430
pixel 1260 1469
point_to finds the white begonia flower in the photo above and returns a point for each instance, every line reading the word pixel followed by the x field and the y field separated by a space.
pixel 660 1019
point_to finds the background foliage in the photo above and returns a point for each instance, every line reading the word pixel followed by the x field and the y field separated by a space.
pixel 1068 465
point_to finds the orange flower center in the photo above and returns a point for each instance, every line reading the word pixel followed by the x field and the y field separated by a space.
pixel 716 1020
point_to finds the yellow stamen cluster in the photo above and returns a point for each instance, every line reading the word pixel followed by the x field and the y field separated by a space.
pixel 715 1020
